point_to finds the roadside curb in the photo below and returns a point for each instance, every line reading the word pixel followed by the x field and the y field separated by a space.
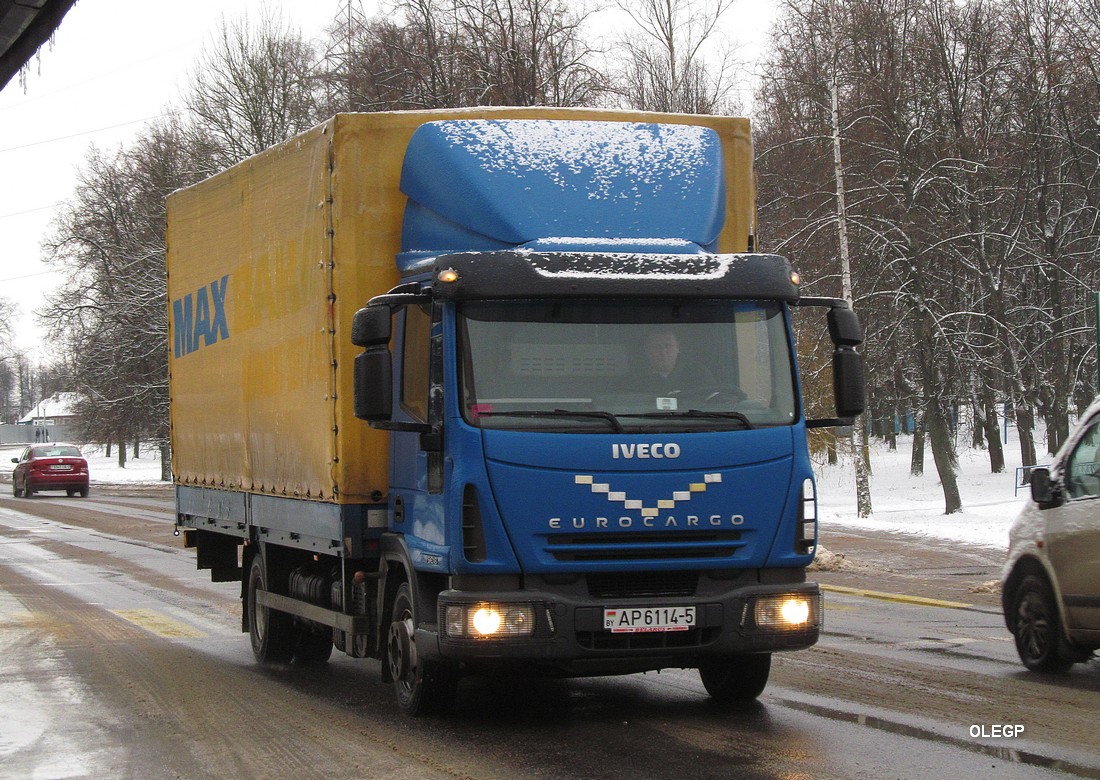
pixel 896 597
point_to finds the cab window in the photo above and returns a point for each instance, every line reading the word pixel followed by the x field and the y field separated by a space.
pixel 414 373
pixel 1083 466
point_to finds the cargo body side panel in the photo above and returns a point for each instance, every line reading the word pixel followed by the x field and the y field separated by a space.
pixel 267 264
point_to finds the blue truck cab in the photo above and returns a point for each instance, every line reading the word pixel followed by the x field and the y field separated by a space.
pixel 598 454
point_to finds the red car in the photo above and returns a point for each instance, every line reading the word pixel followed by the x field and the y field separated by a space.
pixel 50 467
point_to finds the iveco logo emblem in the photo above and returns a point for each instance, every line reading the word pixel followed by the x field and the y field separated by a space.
pixel 670 450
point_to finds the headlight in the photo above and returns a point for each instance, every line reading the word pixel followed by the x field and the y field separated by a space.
pixel 489 621
pixel 789 611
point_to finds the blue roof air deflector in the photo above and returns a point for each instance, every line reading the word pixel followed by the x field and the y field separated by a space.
pixel 561 185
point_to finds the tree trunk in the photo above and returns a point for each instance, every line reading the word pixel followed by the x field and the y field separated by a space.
pixel 165 462
pixel 943 452
pixel 861 459
pixel 121 454
pixel 992 433
pixel 1025 424
pixel 977 430
pixel 916 463
pixel 858 449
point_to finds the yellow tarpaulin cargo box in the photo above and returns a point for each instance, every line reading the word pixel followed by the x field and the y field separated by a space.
pixel 267 264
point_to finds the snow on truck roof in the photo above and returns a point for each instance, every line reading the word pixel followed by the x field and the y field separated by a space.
pixel 493 184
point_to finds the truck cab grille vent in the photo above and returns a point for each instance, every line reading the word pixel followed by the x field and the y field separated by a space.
pixel 631 584
pixel 645 546
pixel 473 532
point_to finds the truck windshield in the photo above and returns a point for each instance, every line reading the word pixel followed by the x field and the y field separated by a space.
pixel 587 366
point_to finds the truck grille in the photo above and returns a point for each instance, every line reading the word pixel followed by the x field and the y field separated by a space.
pixel 653 546
pixel 650 584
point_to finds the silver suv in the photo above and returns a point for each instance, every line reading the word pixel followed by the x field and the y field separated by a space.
pixel 1050 591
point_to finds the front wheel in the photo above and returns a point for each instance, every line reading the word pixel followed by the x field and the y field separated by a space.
pixel 423 687
pixel 15 490
pixel 271 632
pixel 736 678
pixel 1038 629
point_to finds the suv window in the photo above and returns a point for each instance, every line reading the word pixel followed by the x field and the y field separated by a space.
pixel 1083 466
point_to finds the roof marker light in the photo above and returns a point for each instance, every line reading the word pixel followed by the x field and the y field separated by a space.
pixel 447 275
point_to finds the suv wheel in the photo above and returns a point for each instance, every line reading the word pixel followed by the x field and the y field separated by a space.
pixel 1037 628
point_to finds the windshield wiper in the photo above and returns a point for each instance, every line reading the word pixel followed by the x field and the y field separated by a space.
pixel 695 413
pixel 615 424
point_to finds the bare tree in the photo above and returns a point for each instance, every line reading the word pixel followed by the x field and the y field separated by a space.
pixel 450 53
pixel 666 67
pixel 252 88
pixel 110 314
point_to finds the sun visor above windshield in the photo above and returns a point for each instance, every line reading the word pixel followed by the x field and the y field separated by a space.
pixel 483 185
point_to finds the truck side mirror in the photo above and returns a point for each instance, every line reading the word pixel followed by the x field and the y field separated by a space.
pixel 371 326
pixel 374 384
pixel 371 329
pixel 844 328
pixel 849 386
pixel 849 389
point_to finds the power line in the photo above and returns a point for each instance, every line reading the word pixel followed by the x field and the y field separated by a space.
pixel 87 132
pixel 31 211
pixel 27 276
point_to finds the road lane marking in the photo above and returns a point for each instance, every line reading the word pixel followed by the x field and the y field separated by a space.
pixel 899 597
pixel 161 625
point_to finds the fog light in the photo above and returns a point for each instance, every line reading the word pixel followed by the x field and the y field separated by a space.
pixel 797 611
pixel 489 621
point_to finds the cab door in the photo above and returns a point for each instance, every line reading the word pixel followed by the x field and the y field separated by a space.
pixel 417 463
pixel 1073 532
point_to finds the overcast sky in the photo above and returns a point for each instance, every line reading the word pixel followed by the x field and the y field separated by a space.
pixel 113 65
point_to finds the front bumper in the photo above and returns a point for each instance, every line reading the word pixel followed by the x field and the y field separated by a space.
pixel 568 635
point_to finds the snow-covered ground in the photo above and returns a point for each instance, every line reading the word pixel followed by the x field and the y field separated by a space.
pixel 901 503
pixel 146 468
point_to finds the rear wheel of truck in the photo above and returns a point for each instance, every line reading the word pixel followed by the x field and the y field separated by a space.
pixel 422 687
pixel 735 678
pixel 272 633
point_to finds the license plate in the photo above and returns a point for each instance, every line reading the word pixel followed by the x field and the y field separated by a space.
pixel 57 467
pixel 638 620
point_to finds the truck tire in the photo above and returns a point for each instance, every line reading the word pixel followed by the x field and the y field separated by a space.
pixel 422 687
pixel 1037 628
pixel 272 633
pixel 736 678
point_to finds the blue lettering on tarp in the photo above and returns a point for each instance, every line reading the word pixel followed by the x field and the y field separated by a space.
pixel 200 315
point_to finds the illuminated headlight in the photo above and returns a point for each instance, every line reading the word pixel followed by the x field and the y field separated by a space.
pixel 489 621
pixel 793 611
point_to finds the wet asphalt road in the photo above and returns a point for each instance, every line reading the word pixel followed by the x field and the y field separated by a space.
pixel 118 659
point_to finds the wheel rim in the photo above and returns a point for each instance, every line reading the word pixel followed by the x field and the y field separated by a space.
pixel 402 650
pixel 1033 626
pixel 259 613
